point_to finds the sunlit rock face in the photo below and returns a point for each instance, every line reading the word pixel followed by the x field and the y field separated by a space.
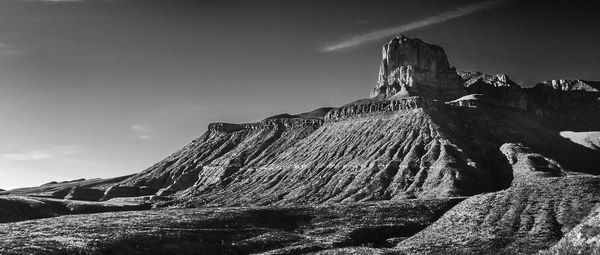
pixel 411 67
pixel 497 88
pixel 571 85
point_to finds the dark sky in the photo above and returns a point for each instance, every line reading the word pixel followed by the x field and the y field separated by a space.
pixel 102 88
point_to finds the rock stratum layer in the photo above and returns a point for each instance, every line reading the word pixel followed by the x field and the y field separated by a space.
pixel 383 175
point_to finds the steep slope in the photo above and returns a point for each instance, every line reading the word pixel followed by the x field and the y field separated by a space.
pixel 221 152
pixel 520 220
pixel 583 239
pixel 384 150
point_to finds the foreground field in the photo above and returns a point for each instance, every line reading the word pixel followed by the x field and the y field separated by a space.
pixel 241 230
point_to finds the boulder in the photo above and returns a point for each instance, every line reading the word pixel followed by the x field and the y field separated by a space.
pixel 411 67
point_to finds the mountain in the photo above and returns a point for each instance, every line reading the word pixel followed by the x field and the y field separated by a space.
pixel 404 142
pixel 434 161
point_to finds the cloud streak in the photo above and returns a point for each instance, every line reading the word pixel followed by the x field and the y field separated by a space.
pixel 9 50
pixel 382 33
pixel 141 131
pixel 54 1
pixel 53 152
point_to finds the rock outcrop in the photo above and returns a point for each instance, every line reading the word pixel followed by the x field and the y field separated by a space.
pixel 562 104
pixel 498 89
pixel 587 139
pixel 571 85
pixel 374 107
pixel 411 67
pixel 527 165
pixel 567 104
pixel 270 124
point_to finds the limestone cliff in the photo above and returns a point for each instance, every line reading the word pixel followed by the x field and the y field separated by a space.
pixel 411 67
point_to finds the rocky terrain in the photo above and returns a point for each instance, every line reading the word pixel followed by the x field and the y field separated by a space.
pixel 228 230
pixel 435 161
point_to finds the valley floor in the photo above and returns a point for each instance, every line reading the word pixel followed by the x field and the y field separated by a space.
pixel 239 230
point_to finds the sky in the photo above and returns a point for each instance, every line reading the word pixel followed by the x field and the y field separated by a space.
pixel 104 88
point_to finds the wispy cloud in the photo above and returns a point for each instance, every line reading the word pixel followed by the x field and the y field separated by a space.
pixel 141 131
pixel 382 33
pixel 361 22
pixel 9 50
pixel 52 152
pixel 54 1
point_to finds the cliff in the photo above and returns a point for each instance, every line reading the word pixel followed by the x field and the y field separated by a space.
pixel 411 67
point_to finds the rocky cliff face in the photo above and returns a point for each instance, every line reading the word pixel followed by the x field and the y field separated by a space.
pixel 498 89
pixel 567 104
pixel 411 67
pixel 562 104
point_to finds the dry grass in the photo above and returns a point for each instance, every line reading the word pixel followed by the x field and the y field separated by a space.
pixel 241 230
